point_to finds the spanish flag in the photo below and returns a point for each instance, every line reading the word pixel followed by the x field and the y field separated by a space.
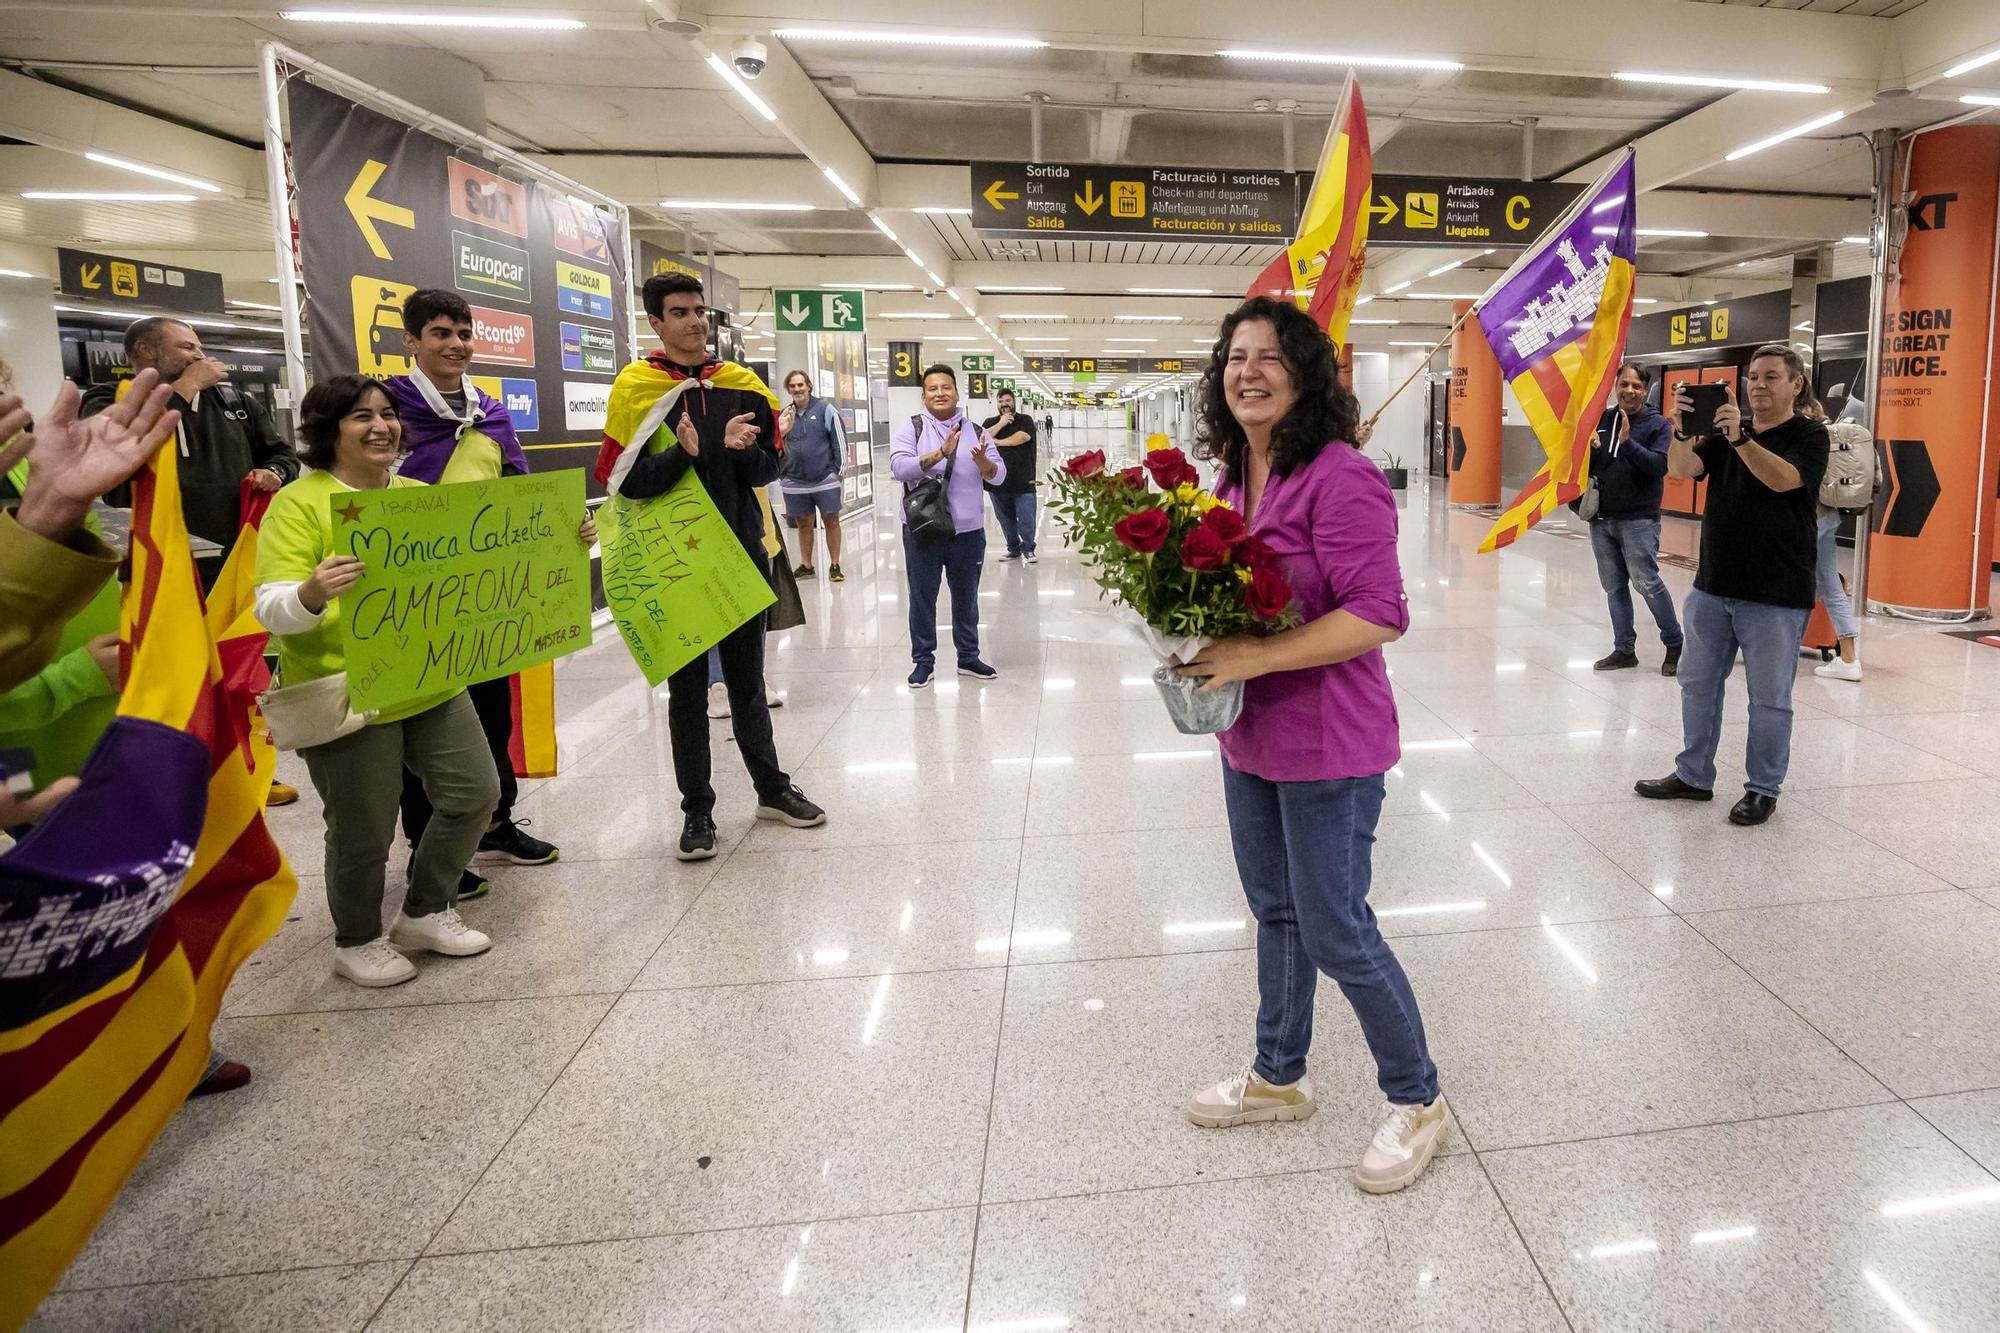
pixel 1557 321
pixel 124 915
pixel 1321 269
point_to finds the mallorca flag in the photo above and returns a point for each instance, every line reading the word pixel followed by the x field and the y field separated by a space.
pixel 1326 260
pixel 123 916
pixel 1557 323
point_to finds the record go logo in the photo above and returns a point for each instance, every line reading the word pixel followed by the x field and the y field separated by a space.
pixel 502 338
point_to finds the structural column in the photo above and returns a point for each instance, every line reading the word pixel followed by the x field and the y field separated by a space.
pixel 1937 420
pixel 1474 460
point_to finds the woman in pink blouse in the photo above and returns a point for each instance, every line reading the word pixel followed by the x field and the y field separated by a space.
pixel 1302 768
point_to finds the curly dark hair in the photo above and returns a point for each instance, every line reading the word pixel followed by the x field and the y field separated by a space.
pixel 322 409
pixel 1325 410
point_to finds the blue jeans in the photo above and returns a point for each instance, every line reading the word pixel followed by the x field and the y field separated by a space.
pixel 1628 558
pixel 1832 592
pixel 957 562
pixel 1016 514
pixel 1769 637
pixel 714 666
pixel 1302 850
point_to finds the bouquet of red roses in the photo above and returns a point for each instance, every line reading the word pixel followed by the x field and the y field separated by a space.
pixel 1180 559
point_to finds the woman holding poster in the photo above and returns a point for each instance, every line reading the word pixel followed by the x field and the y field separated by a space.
pixel 350 438
pixel 1302 768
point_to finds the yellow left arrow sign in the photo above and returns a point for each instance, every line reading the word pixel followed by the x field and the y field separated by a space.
pixel 93 276
pixel 994 194
pixel 368 210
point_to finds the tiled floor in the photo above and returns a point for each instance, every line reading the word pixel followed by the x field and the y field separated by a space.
pixel 923 1069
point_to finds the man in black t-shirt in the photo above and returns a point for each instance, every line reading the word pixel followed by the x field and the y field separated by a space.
pixel 1755 587
pixel 1014 495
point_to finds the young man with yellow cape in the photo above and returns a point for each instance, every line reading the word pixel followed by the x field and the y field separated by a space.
pixel 679 411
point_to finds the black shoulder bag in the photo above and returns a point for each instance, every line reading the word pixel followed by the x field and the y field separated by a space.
pixel 926 505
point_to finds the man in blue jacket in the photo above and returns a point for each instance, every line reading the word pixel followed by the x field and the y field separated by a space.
pixel 1629 462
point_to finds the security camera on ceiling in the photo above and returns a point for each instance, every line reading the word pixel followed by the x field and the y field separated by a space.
pixel 749 57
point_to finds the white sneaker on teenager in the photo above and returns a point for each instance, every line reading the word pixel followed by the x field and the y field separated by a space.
pixel 1839 670
pixel 441 932
pixel 718 700
pixel 1403 1146
pixel 1248 1098
pixel 373 964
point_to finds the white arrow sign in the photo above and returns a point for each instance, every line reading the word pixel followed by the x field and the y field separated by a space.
pixel 795 313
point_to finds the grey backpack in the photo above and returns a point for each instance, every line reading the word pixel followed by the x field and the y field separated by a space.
pixel 1849 483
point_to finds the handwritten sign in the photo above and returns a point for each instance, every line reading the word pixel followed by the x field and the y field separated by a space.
pixel 676 577
pixel 463 583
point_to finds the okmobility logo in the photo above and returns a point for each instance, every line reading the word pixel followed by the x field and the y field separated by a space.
pixel 489 268
pixel 585 403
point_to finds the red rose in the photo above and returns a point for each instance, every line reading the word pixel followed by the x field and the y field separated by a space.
pixel 1134 476
pixel 1226 524
pixel 1145 531
pixel 1256 553
pixel 1267 594
pixel 1170 468
pixel 1202 549
pixel 1085 464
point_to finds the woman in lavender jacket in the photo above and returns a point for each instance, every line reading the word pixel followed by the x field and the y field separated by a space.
pixel 939 441
pixel 1302 768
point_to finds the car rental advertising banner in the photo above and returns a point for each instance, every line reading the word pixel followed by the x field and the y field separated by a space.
pixel 384 208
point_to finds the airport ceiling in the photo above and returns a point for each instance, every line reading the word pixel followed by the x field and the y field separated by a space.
pixel 629 103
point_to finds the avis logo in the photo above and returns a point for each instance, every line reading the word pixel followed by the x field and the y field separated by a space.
pixel 1927 213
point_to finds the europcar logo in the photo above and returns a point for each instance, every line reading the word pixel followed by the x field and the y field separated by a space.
pixel 489 268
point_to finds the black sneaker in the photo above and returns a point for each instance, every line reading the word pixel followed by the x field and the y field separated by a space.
pixel 920 676
pixel 471 884
pixel 1009 558
pixel 803 572
pixel 509 843
pixel 1615 661
pixel 697 838
pixel 1028 556
pixel 790 806
pixel 833 573
pixel 1672 666
pixel 977 669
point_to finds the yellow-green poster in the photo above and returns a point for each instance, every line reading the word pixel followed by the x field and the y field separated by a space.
pixel 676 577
pixel 462 583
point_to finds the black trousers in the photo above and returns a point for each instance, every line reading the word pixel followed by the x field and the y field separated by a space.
pixel 742 655
pixel 493 700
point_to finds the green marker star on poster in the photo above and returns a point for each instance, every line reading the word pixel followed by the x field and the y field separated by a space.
pixel 463 583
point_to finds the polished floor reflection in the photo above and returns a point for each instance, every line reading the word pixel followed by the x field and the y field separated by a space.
pixel 921 1070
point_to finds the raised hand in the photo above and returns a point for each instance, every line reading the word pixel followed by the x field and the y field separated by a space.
pixel 73 462
pixel 950 445
pixel 740 433
pixel 689 437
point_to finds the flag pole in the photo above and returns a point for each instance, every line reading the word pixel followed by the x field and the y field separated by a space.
pixel 1411 378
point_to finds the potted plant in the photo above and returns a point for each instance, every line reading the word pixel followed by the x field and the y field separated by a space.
pixel 1393 469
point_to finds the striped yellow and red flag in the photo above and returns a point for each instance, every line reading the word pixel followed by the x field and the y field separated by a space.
pixel 1557 322
pixel 124 914
pixel 531 747
pixel 1321 269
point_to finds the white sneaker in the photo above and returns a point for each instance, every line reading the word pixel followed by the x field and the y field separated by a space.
pixel 440 932
pixel 1247 1098
pixel 718 700
pixel 1402 1147
pixel 773 699
pixel 1839 670
pixel 373 964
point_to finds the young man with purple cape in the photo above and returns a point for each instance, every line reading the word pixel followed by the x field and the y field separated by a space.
pixel 453 431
